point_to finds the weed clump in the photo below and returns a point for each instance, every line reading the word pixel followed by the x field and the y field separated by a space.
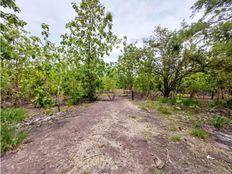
pixel 175 138
pixel 199 133
pixel 11 137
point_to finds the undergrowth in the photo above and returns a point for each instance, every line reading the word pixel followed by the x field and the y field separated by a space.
pixel 11 137
pixel 221 122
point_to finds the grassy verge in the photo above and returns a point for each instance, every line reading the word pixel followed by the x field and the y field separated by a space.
pixel 11 137
pixel 186 112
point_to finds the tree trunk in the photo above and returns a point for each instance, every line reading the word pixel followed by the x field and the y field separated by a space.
pixel 218 94
pixel 212 95
pixel 166 90
pixel 222 92
pixel 192 94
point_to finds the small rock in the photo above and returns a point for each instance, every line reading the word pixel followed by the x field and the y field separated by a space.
pixel 159 163
pixel 209 157
pixel 101 146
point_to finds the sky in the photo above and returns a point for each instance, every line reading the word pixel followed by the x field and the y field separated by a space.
pixel 135 19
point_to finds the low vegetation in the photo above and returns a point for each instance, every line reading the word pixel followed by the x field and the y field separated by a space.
pixel 164 110
pixel 199 133
pixel 11 137
pixel 221 122
pixel 175 138
pixel 178 66
pixel 157 171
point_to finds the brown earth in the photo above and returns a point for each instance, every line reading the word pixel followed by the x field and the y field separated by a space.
pixel 113 137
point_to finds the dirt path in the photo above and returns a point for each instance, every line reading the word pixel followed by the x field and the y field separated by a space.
pixel 112 137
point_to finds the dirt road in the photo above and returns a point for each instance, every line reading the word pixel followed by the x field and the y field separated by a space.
pixel 112 137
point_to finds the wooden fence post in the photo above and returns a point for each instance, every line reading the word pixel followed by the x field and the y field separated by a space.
pixel 132 94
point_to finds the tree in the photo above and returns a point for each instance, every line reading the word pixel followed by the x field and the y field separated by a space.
pixel 127 65
pixel 217 35
pixel 15 46
pixel 92 38
pixel 175 57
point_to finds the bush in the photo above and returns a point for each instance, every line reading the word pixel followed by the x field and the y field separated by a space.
pixel 10 136
pixel 75 98
pixel 163 99
pixel 200 133
pixel 223 103
pixel 228 103
pixel 179 101
pixel 220 121
pixel 42 99
pixel 188 102
pixel 218 104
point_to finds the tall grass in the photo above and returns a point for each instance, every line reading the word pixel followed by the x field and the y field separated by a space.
pixel 12 115
pixel 11 137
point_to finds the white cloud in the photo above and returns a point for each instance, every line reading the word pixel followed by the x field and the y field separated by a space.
pixel 133 18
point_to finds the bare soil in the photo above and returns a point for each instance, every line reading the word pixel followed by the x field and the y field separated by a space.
pixel 113 137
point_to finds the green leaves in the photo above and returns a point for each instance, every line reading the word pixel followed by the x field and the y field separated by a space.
pixel 91 38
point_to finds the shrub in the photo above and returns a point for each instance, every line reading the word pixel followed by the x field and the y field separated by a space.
pixel 223 103
pixel 200 133
pixel 173 100
pixel 74 98
pixel 189 102
pixel 163 99
pixel 179 101
pixel 218 104
pixel 228 103
pixel 42 99
pixel 220 121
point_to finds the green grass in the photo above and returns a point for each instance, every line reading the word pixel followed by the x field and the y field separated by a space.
pixel 12 115
pixel 11 137
pixel 175 138
pixel 199 133
pixel 164 110
pixel 157 171
pixel 221 122
pixel 163 99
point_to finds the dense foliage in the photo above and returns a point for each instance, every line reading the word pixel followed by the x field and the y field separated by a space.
pixel 194 60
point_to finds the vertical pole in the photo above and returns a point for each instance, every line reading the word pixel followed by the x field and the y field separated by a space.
pixel 132 94
pixel 58 98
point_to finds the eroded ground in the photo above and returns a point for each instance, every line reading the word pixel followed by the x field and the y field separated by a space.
pixel 113 137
